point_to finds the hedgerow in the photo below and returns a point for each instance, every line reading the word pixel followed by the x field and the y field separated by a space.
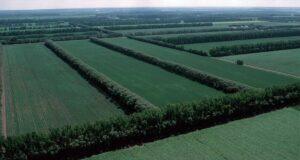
pixel 189 39
pixel 190 73
pixel 47 31
pixel 168 45
pixel 173 25
pixel 72 142
pixel 253 48
pixel 128 100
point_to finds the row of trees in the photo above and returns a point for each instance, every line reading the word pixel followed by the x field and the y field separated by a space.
pixel 37 40
pixel 163 32
pixel 47 31
pixel 189 39
pixel 147 26
pixel 190 73
pixel 199 30
pixel 128 100
pixel 110 33
pixel 168 45
pixel 253 48
pixel 79 141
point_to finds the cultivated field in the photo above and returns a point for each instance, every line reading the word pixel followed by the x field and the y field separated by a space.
pixel 240 74
pixel 42 92
pixel 139 84
pixel 208 46
pixel 193 34
pixel 286 61
pixel 273 135
pixel 156 85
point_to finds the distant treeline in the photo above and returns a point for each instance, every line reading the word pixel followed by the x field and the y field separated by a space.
pixel 199 30
pixel 189 39
pixel 158 26
pixel 190 73
pixel 128 100
pixel 163 32
pixel 168 45
pixel 75 142
pixel 55 38
pixel 253 48
pixel 47 31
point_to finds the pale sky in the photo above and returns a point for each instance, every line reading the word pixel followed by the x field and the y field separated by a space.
pixel 50 4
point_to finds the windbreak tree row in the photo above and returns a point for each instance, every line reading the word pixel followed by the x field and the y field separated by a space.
pixel 47 31
pixel 110 33
pixel 181 31
pixel 190 73
pixel 189 39
pixel 168 45
pixel 73 142
pixel 128 100
pixel 253 48
pixel 172 25
pixel 37 40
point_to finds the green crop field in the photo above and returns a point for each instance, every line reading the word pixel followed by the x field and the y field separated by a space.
pixel 42 92
pixel 194 34
pixel 273 136
pixel 154 84
pixel 241 74
pixel 286 61
pixel 208 46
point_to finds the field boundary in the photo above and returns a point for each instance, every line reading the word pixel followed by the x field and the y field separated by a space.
pixel 221 84
pixel 84 140
pixel 3 103
pixel 128 100
pixel 263 69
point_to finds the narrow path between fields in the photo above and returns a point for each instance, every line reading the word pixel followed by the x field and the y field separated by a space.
pixel 3 102
pixel 264 69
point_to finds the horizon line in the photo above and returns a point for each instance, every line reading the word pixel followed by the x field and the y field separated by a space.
pixel 244 7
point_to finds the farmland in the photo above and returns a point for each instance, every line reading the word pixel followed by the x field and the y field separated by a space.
pixel 194 34
pixel 240 74
pixel 41 92
pixel 208 46
pixel 269 136
pixel 149 81
pixel 286 61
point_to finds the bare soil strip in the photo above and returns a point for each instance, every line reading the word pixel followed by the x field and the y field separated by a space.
pixel 264 69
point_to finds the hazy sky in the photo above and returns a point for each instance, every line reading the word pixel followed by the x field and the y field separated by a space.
pixel 43 4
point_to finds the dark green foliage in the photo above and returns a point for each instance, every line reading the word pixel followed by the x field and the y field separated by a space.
pixel 110 33
pixel 127 99
pixel 37 40
pixel 164 32
pixel 189 39
pixel 47 31
pixel 190 73
pixel 173 25
pixel 240 62
pixel 168 45
pixel 78 141
pixel 253 48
